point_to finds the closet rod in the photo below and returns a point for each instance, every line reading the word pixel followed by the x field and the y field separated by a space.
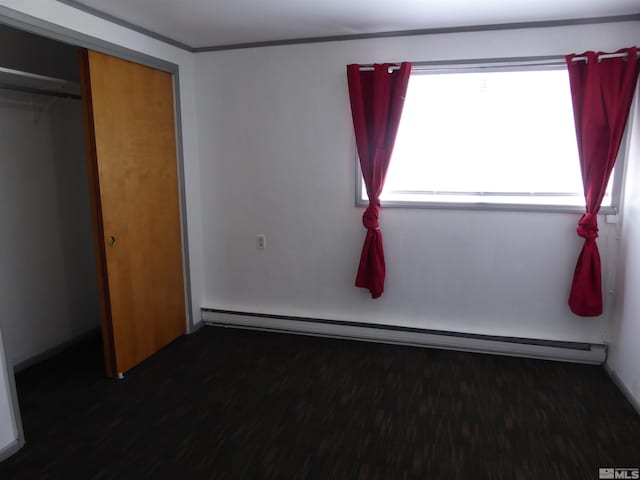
pixel 40 84
pixel 39 91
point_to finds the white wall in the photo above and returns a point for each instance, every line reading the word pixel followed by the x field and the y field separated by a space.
pixel 62 15
pixel 277 157
pixel 48 283
pixel 624 351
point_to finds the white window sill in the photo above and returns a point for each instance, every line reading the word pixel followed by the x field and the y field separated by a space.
pixel 507 207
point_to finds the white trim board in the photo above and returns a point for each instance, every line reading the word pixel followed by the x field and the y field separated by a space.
pixel 529 348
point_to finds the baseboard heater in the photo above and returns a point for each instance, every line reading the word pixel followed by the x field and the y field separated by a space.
pixel 471 342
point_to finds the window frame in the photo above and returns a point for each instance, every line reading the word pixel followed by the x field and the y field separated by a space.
pixel 500 64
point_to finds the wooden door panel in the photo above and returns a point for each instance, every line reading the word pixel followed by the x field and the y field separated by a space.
pixel 135 171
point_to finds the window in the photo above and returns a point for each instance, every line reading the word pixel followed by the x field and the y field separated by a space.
pixel 499 136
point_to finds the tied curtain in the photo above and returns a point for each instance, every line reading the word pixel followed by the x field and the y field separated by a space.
pixel 377 97
pixel 602 90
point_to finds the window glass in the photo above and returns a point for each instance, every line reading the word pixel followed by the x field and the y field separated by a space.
pixel 487 135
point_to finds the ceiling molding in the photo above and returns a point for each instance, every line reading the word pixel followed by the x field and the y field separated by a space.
pixel 358 36
pixel 123 23
pixel 426 31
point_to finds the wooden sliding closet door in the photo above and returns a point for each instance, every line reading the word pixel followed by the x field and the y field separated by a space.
pixel 130 133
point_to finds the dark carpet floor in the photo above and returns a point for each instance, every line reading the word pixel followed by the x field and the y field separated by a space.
pixel 232 404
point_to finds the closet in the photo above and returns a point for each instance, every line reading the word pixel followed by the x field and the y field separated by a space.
pixel 48 285
pixel 92 234
pixel 90 201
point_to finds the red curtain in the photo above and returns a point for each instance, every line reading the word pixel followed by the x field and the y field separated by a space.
pixel 377 98
pixel 601 90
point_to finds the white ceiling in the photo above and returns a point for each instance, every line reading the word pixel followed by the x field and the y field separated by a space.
pixel 204 23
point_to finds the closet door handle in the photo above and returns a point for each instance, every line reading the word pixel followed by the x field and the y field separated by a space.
pixel 111 241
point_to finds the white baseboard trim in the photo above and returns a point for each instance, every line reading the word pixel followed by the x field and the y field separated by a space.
pixel 11 449
pixel 615 378
pixel 517 347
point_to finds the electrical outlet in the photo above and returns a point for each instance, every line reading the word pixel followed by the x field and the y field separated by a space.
pixel 261 241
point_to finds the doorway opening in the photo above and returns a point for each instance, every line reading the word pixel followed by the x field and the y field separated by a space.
pixel 48 284
pixel 142 330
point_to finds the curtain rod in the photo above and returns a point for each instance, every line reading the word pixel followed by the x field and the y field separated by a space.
pixel 515 60
pixel 462 63
pixel 603 56
pixel 369 68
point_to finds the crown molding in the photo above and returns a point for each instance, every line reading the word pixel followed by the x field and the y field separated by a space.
pixel 124 23
pixel 358 36
pixel 425 31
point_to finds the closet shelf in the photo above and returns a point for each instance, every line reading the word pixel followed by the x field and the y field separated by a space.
pixel 40 84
